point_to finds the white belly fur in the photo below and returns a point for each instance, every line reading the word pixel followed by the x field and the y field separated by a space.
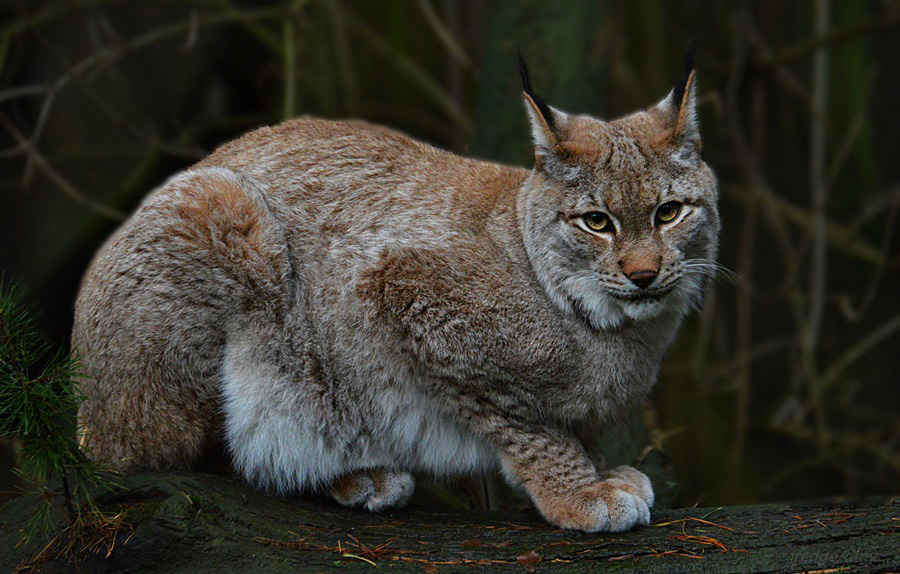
pixel 280 441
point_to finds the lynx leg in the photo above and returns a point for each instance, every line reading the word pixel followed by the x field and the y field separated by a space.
pixel 567 489
pixel 145 434
pixel 154 310
pixel 375 490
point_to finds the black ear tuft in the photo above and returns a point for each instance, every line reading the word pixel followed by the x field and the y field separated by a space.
pixel 526 87
pixel 678 91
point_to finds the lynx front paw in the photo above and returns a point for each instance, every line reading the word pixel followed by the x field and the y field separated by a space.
pixel 636 479
pixel 616 504
pixel 374 490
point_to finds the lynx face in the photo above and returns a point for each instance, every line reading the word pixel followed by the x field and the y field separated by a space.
pixel 620 218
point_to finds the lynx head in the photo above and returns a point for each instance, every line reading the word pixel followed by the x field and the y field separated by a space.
pixel 620 218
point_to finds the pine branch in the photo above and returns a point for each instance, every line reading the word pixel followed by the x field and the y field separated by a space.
pixel 36 407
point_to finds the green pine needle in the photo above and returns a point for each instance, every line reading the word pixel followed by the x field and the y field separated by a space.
pixel 38 399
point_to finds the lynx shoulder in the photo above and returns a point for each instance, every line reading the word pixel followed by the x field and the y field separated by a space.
pixel 346 307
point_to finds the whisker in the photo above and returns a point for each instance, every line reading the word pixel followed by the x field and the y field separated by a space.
pixel 710 267
pixel 713 276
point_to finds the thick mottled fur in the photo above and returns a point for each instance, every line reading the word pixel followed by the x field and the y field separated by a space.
pixel 346 306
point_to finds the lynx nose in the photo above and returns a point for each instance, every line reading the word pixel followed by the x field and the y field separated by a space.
pixel 642 278
pixel 641 268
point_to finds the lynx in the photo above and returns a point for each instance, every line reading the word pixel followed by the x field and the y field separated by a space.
pixel 345 307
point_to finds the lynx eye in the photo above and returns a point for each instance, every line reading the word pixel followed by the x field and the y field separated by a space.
pixel 598 221
pixel 668 211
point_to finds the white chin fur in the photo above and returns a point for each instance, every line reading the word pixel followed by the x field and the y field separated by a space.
pixel 640 310
pixel 603 311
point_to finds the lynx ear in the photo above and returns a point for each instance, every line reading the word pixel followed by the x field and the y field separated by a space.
pixel 679 112
pixel 547 124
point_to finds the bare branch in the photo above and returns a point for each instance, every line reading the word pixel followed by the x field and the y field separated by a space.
pixel 62 183
pixel 444 35
pixel 414 72
pixel 803 49
pixel 818 189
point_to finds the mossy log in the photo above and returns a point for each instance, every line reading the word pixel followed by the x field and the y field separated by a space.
pixel 191 522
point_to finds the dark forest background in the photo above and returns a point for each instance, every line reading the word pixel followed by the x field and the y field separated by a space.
pixel 784 387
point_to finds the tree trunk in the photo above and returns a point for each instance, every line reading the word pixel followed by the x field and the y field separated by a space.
pixel 191 522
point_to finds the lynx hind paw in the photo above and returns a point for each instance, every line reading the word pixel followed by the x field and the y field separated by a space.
pixel 374 490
